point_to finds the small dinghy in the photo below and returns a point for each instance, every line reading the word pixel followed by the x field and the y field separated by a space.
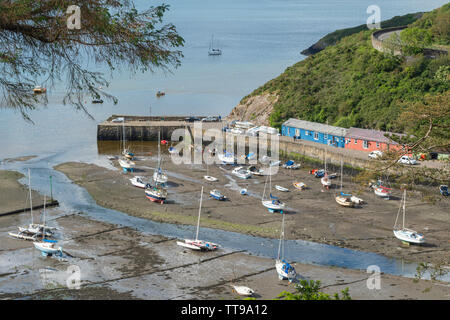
pixel 291 165
pixel 319 173
pixel 210 178
pixel 243 291
pixel 405 234
pixel 280 188
pixel 383 192
pixel 138 182
pixel 443 189
pixel 242 173
pixel 299 185
pixel 344 200
pixel 254 170
pixel 244 192
pixel 217 195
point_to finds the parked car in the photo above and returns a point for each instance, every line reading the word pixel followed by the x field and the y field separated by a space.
pixel 191 119
pixel 375 154
pixel 407 160
pixel 210 119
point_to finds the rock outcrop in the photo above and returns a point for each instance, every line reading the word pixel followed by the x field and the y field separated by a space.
pixel 256 109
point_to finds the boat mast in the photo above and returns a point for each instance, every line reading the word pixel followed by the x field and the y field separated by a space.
pixel 43 224
pixel 31 199
pixel 199 212
pixel 342 164
pixel 281 238
pixel 404 205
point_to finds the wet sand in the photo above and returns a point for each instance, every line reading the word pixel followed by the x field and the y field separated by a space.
pixel 312 214
pixel 14 195
pixel 116 262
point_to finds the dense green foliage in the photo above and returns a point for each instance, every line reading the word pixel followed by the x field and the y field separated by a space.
pixel 334 37
pixel 309 290
pixel 437 22
pixel 352 84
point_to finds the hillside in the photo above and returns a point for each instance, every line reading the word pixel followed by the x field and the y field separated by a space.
pixel 334 37
pixel 349 84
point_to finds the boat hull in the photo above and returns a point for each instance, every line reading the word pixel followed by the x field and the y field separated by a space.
pixel 410 236
pixel 345 202
pixel 274 206
pixel 290 274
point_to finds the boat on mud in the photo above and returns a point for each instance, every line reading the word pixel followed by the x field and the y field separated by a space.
pixel 217 195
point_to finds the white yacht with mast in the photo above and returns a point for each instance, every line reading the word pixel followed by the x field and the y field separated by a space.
pixel 405 234
pixel 284 269
pixel 197 244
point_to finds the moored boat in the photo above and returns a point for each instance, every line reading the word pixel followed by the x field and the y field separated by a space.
pixel 217 195
pixel 243 291
pixel 156 194
pixel 138 182
pixel 405 234
pixel 210 178
pixel 299 185
pixel 242 173
pixel 282 189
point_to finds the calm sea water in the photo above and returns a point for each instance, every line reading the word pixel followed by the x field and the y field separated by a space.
pixel 259 39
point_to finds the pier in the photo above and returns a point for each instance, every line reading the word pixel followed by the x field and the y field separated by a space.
pixel 146 128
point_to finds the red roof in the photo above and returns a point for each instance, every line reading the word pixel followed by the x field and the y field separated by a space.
pixel 370 135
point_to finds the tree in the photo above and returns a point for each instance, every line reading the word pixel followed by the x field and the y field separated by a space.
pixel 309 290
pixel 415 40
pixel 37 45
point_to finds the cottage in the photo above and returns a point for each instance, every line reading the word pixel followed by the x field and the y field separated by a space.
pixel 316 132
pixel 369 140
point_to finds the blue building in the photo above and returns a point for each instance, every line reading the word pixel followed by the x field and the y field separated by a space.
pixel 315 132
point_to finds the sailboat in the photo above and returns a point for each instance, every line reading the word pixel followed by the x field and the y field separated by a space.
pixel 274 204
pixel 213 51
pixel 284 269
pixel 47 247
pixel 405 234
pixel 325 180
pixel 159 176
pixel 342 198
pixel 33 230
pixel 126 152
pixel 126 162
pixel 197 244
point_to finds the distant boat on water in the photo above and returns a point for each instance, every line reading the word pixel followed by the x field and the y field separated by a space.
pixel 213 51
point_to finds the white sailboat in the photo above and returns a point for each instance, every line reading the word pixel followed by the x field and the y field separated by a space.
pixel 342 198
pixel 33 230
pixel 227 158
pixel 125 162
pixel 138 182
pixel 213 51
pixel 284 269
pixel 405 234
pixel 159 176
pixel 196 244
pixel 274 203
pixel 325 180
pixel 47 247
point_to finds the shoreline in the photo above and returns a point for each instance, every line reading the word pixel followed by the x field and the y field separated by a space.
pixel 183 209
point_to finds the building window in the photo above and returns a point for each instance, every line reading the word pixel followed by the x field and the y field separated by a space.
pixel 316 136
pixel 378 145
pixel 365 144
pixel 297 132
pixel 356 141
pixel 325 136
pixel 306 133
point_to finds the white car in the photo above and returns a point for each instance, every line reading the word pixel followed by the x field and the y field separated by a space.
pixel 407 160
pixel 375 154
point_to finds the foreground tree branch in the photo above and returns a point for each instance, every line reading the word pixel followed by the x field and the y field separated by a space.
pixel 37 47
